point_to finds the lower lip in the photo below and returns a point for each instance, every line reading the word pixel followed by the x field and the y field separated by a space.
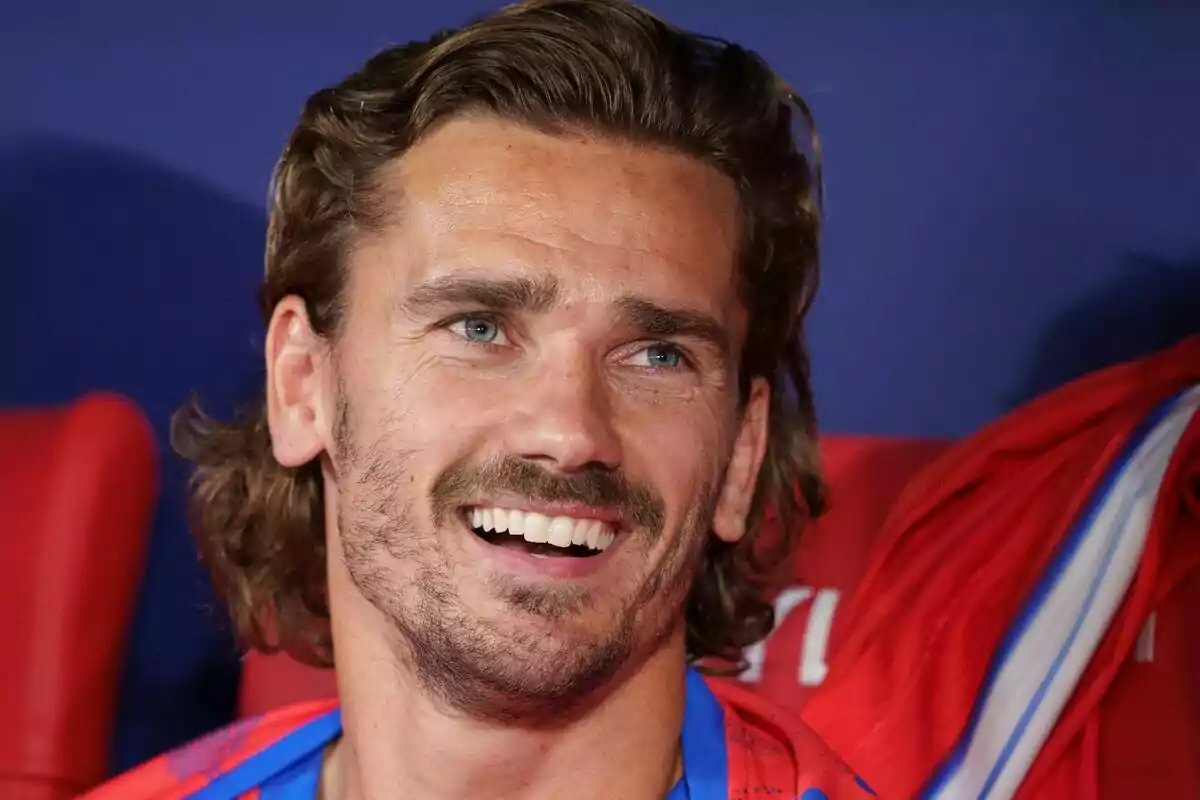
pixel 556 567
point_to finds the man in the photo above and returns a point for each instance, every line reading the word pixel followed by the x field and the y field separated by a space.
pixel 535 370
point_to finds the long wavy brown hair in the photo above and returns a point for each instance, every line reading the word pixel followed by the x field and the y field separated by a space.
pixel 602 67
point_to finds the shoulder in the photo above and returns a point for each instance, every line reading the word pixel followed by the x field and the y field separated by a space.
pixel 770 747
pixel 192 767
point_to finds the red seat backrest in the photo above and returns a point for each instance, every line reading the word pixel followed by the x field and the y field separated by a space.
pixel 78 487
pixel 864 473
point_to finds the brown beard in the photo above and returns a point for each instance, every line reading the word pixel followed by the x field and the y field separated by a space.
pixel 477 666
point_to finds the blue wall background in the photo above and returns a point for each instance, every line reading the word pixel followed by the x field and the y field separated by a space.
pixel 1013 199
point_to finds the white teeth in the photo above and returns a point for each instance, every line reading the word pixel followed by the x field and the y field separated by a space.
pixel 538 528
pixel 560 532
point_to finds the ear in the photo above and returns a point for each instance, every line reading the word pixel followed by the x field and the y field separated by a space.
pixel 741 478
pixel 297 358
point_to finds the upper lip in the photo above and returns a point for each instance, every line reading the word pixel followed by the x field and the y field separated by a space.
pixel 576 510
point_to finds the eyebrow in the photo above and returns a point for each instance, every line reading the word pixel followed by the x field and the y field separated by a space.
pixel 507 295
pixel 515 295
pixel 655 320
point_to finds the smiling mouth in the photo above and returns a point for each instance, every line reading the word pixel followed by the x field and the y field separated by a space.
pixel 538 534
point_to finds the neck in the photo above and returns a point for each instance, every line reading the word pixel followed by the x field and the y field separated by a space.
pixel 398 742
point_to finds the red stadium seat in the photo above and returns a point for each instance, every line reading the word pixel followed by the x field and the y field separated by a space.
pixel 865 476
pixel 78 487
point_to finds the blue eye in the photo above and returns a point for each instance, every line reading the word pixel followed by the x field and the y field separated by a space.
pixel 661 356
pixel 477 329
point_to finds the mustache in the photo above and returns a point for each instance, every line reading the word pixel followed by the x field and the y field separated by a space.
pixel 598 487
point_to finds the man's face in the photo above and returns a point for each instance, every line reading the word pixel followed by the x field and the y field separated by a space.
pixel 537 397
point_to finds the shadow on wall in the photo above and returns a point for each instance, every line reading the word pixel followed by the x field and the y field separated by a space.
pixel 1152 304
pixel 120 274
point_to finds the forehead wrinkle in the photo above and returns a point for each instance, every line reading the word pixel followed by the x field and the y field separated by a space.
pixel 562 246
pixel 545 185
pixel 531 203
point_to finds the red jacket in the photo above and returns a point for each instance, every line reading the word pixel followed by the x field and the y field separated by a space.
pixel 962 572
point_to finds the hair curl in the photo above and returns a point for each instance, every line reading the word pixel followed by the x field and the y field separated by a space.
pixel 605 67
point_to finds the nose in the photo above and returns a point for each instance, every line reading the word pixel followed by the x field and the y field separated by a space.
pixel 563 418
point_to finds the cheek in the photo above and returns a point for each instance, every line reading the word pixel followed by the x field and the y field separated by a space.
pixel 413 396
pixel 680 448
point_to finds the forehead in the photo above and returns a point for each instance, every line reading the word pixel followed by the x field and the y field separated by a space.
pixel 600 216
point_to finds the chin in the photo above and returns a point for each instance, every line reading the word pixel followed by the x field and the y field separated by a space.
pixel 526 666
